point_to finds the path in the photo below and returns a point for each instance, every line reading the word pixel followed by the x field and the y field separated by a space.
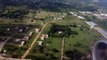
pixel 32 44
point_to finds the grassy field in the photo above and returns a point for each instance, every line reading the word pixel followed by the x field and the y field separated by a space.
pixel 52 43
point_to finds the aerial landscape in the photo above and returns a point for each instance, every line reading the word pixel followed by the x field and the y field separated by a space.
pixel 53 30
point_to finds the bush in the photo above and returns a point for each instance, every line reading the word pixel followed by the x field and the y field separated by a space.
pixel 55 50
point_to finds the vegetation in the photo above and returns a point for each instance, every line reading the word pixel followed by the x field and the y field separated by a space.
pixel 78 41
pixel 64 29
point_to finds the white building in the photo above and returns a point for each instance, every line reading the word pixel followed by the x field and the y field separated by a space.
pixel 40 42
pixel 30 33
pixel 74 14
pixel 25 38
pixel 37 30
pixel 80 17
pixel 85 12
pixel 59 32
pixel 91 24
pixel 42 38
pixel 22 43
pixel 8 29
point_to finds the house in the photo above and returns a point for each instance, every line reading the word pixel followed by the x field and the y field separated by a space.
pixel 27 27
pixel 17 40
pixel 44 36
pixel 37 30
pixel 30 33
pixel 20 30
pixel 25 38
pixel 59 32
pixel 22 43
pixel 40 42
pixel 71 13
pixel 8 29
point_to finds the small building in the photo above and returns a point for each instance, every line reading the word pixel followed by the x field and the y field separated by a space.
pixel 4 51
pixel 42 38
pixel 30 33
pixel 40 42
pixel 59 32
pixel 27 27
pixel 22 43
pixel 37 30
pixel 20 30
pixel 8 29
pixel 80 17
pixel 73 13
pixel 91 24
pixel 25 38
pixel 85 12
pixel 17 40
pixel 46 36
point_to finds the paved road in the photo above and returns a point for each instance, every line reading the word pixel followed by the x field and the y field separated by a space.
pixel 101 31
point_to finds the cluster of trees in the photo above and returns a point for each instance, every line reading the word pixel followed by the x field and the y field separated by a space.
pixel 74 54
pixel 48 5
pixel 17 51
pixel 43 50
pixel 65 29
pixel 17 14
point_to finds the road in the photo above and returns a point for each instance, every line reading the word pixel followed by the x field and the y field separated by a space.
pixel 97 28
pixel 3 43
pixel 36 38
pixel 101 31
pixel 62 50
pixel 31 46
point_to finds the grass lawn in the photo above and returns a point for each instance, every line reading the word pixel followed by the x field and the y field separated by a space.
pixel 52 43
